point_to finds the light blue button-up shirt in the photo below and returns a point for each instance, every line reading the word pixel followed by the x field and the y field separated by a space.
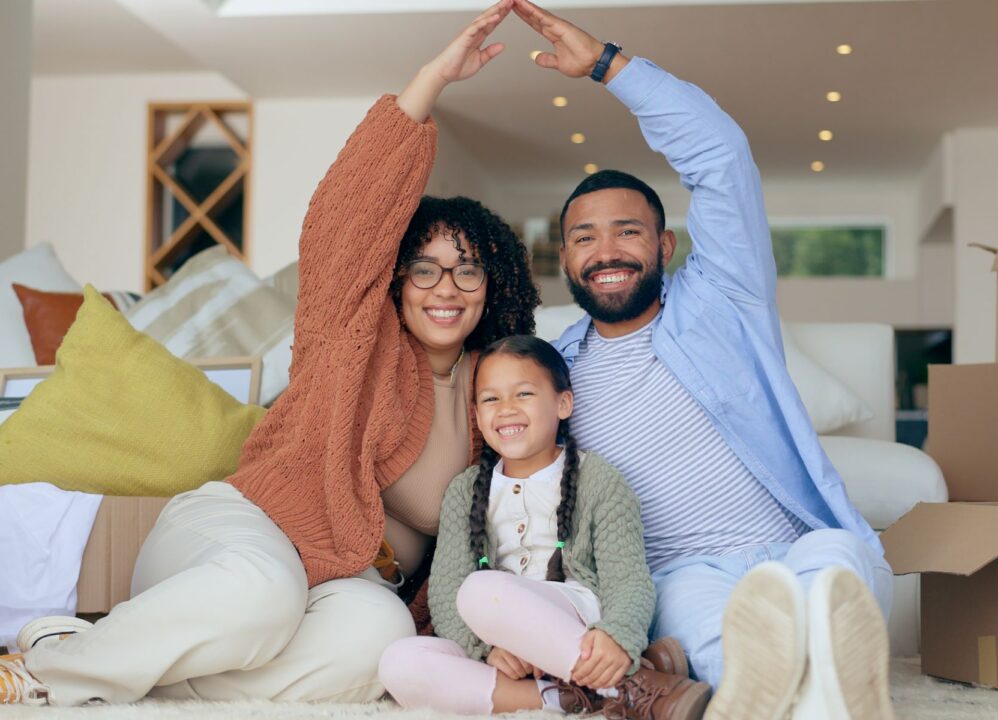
pixel 719 331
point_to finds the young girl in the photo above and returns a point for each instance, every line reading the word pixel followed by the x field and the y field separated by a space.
pixel 566 608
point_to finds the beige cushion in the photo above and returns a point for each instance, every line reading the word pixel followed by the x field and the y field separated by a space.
pixel 214 306
pixel 285 281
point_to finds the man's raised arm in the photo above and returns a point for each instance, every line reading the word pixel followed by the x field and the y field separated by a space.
pixel 732 247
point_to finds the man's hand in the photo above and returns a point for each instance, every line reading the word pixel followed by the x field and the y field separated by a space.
pixel 576 52
pixel 602 662
pixel 510 665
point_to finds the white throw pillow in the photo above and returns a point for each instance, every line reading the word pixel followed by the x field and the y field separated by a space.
pixel 214 306
pixel 829 403
pixel 38 268
pixel 884 479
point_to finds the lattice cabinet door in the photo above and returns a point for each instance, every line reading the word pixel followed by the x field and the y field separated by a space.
pixel 198 180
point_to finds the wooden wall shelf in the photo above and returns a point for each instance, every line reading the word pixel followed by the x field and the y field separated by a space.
pixel 197 183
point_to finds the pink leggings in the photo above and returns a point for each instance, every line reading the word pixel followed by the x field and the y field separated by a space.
pixel 534 621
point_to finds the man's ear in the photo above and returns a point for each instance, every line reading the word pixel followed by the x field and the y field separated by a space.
pixel 561 255
pixel 565 404
pixel 668 242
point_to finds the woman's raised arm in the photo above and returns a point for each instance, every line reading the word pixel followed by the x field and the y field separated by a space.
pixel 361 208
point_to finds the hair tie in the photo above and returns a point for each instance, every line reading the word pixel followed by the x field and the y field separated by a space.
pixel 483 560
pixel 560 544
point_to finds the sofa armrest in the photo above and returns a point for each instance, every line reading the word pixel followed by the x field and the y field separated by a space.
pixel 884 479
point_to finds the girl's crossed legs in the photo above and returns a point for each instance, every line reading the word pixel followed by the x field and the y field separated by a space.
pixel 528 618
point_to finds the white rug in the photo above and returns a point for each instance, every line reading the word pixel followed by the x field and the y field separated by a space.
pixel 916 697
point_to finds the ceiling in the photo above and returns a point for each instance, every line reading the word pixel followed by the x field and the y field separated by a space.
pixel 919 69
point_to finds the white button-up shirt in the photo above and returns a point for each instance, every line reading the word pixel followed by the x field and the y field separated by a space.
pixel 523 520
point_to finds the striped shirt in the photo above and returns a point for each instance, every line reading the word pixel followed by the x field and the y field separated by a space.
pixel 697 497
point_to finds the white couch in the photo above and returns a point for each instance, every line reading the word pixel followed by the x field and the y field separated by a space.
pixel 884 478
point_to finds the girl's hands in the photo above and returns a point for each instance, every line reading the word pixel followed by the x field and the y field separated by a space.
pixel 602 662
pixel 511 666
pixel 464 57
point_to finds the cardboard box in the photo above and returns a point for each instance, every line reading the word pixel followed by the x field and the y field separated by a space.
pixel 955 547
pixel 963 429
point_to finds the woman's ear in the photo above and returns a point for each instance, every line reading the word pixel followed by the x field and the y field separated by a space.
pixel 565 403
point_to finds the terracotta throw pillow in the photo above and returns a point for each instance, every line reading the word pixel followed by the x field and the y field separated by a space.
pixel 48 316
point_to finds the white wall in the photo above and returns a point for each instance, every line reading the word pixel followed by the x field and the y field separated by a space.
pixel 15 87
pixel 296 140
pixel 294 143
pixel 86 168
pixel 975 219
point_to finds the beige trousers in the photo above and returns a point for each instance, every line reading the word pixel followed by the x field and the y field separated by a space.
pixel 221 610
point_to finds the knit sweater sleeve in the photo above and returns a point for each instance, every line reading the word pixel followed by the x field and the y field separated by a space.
pixel 356 219
pixel 626 592
pixel 452 563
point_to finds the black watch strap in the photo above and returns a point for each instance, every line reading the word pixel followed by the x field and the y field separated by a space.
pixel 610 49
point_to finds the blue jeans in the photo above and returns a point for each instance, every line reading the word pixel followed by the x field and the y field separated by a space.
pixel 692 592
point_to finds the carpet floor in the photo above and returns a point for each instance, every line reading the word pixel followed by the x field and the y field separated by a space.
pixel 916 697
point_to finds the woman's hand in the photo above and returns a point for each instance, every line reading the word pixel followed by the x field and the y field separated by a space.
pixel 510 665
pixel 576 52
pixel 602 662
pixel 464 57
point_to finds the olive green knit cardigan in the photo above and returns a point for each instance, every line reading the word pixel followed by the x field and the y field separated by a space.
pixel 606 553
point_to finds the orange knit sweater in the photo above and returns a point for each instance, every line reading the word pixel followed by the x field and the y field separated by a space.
pixel 358 408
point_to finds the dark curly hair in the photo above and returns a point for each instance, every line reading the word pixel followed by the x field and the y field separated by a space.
pixel 510 297
pixel 544 354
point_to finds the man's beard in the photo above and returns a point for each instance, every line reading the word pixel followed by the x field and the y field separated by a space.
pixel 618 308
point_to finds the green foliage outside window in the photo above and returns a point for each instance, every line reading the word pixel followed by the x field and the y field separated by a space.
pixel 814 251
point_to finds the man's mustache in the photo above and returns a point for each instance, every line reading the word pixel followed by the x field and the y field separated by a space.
pixel 603 266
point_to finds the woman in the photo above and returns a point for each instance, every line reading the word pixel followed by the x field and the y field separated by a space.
pixel 263 586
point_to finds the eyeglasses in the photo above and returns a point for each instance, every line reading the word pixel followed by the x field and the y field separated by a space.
pixel 425 274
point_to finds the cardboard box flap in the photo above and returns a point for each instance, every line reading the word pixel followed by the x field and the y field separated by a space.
pixel 963 427
pixel 994 250
pixel 954 538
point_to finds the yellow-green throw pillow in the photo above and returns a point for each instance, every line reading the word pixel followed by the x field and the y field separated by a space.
pixel 120 415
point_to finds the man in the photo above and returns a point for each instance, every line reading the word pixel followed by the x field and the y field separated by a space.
pixel 681 383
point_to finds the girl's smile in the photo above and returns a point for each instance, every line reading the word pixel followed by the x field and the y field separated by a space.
pixel 518 412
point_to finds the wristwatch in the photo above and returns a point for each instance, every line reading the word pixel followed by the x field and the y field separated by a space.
pixel 610 49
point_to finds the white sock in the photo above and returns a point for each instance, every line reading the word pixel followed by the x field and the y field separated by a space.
pixel 550 700
pixel 607 692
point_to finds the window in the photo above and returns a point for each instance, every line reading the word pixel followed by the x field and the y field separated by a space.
pixel 815 251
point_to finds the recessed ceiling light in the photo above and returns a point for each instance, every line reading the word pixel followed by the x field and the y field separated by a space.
pixel 534 54
pixel 578 138
pixel 560 101
pixel 590 168
pixel 844 49
pixel 833 96
pixel 817 166
pixel 825 135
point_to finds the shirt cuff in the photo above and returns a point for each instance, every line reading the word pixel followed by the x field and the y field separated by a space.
pixel 638 79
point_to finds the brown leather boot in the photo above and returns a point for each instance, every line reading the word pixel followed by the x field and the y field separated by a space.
pixel 651 695
pixel 666 656
pixel 575 699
